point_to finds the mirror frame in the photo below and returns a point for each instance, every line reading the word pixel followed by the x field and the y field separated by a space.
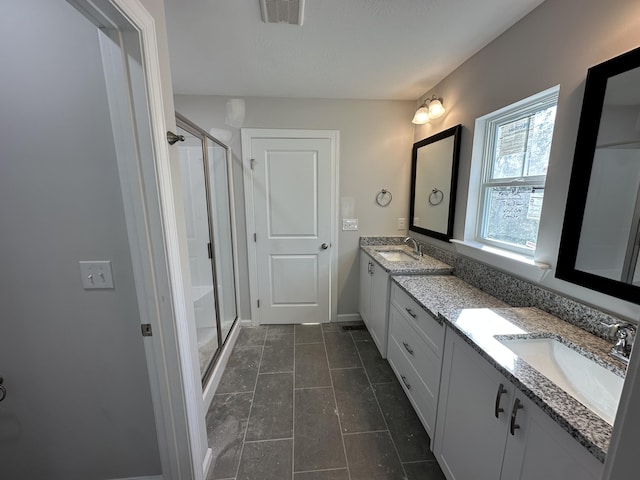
pixel 592 106
pixel 454 132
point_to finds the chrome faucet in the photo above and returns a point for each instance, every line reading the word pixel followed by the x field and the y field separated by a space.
pixel 625 335
pixel 416 249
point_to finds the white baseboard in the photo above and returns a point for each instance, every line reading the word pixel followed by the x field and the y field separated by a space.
pixel 214 381
pixel 247 323
pixel 153 477
pixel 348 317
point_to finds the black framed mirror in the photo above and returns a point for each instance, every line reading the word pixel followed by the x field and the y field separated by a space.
pixel 434 177
pixel 601 231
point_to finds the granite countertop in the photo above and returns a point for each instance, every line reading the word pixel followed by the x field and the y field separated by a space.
pixel 445 294
pixel 422 265
pixel 481 320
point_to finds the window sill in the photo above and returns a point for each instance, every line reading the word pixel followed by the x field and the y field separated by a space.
pixel 517 264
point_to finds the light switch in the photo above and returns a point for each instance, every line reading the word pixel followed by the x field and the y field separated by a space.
pixel 349 224
pixel 96 274
pixel 402 223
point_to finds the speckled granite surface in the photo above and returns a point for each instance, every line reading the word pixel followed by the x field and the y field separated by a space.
pixel 388 240
pixel 445 294
pixel 481 328
pixel 517 292
pixel 424 265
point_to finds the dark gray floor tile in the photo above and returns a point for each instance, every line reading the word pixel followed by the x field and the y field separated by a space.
pixel 272 410
pixel 371 456
pixel 226 424
pixel 317 438
pixel 377 367
pixel 341 474
pixel 279 330
pixel 308 334
pixel 341 350
pixel 241 370
pixel 361 336
pixel 277 355
pixel 266 460
pixel 408 434
pixel 312 369
pixel 338 326
pixel 251 337
pixel 357 405
pixel 423 471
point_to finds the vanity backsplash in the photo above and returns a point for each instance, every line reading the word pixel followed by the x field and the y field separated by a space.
pixel 510 289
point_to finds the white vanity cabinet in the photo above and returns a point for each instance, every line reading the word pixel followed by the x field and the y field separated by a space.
pixel 374 300
pixel 487 429
pixel 415 349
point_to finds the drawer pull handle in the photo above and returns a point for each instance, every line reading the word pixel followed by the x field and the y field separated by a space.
pixel 410 312
pixel 498 409
pixel 407 347
pixel 406 384
pixel 514 426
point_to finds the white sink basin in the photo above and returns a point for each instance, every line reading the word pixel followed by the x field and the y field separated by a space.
pixel 588 382
pixel 397 256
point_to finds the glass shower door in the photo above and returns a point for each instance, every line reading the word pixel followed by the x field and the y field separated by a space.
pixel 222 234
pixel 195 198
pixel 206 179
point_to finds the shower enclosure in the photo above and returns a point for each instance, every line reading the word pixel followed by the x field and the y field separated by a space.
pixel 206 188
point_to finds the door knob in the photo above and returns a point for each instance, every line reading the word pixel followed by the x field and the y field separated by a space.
pixel 324 246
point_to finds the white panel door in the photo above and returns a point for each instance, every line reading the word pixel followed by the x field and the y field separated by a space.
pixel 292 190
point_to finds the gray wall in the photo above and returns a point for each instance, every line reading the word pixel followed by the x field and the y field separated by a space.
pixel 554 44
pixel 375 153
pixel 79 403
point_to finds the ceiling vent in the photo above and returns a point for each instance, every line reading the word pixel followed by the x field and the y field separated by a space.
pixel 282 11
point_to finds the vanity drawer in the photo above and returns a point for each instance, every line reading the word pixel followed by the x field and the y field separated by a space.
pixel 427 326
pixel 419 395
pixel 420 355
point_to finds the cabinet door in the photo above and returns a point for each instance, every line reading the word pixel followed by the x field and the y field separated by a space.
pixel 540 448
pixel 470 440
pixel 365 286
pixel 378 312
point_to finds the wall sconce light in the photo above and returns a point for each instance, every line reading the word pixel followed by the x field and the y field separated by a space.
pixel 430 109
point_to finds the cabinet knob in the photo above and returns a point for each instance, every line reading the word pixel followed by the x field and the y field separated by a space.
pixel 513 426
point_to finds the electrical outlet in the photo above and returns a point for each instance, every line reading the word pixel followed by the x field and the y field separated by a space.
pixel 349 224
pixel 402 223
pixel 96 274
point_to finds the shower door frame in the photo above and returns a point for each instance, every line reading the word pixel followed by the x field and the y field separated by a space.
pixel 190 127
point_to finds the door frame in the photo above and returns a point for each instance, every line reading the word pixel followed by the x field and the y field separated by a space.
pixel 150 191
pixel 247 135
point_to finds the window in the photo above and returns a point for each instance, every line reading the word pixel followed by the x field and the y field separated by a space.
pixel 515 156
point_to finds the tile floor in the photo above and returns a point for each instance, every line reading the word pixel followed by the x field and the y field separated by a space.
pixel 314 402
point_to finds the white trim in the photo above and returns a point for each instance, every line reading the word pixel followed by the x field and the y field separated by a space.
pixel 148 197
pixel 347 317
pixel 221 363
pixel 505 260
pixel 481 161
pixel 154 477
pixel 247 134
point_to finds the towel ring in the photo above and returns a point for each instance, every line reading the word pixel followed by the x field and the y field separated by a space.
pixel 384 197
pixel 436 196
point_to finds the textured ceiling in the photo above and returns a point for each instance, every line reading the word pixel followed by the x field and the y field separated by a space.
pixel 358 49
